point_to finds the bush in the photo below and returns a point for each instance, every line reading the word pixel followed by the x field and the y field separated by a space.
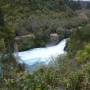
pixel 83 56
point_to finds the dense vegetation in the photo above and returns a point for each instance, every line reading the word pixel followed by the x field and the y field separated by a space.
pixel 38 19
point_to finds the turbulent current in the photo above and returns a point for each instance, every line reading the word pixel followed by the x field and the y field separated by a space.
pixel 42 55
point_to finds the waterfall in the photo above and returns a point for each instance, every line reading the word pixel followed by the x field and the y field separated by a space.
pixel 42 55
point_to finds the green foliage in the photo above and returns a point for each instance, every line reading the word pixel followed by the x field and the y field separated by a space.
pixel 7 60
pixel 43 17
pixel 83 56
pixel 79 38
pixel 48 4
pixel 80 79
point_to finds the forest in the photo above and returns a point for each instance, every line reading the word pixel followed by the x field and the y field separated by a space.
pixel 29 24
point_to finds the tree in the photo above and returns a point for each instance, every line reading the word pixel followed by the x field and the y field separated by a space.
pixel 7 38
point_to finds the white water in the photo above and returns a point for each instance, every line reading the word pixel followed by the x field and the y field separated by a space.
pixel 42 55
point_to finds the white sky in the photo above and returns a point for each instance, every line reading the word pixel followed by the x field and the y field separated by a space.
pixel 83 0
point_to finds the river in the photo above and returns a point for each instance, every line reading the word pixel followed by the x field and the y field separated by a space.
pixel 36 56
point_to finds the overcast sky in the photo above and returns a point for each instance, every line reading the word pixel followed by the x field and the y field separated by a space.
pixel 83 0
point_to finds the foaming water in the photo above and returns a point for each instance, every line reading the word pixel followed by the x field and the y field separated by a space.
pixel 42 55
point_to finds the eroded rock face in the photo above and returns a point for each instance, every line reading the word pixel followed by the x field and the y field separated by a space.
pixel 24 42
pixel 54 39
pixel 32 36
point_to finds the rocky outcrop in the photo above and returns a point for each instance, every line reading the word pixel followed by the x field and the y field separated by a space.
pixel 54 39
pixel 24 42
pixel 32 36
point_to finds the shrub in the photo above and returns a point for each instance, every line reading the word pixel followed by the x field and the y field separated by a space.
pixel 83 56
